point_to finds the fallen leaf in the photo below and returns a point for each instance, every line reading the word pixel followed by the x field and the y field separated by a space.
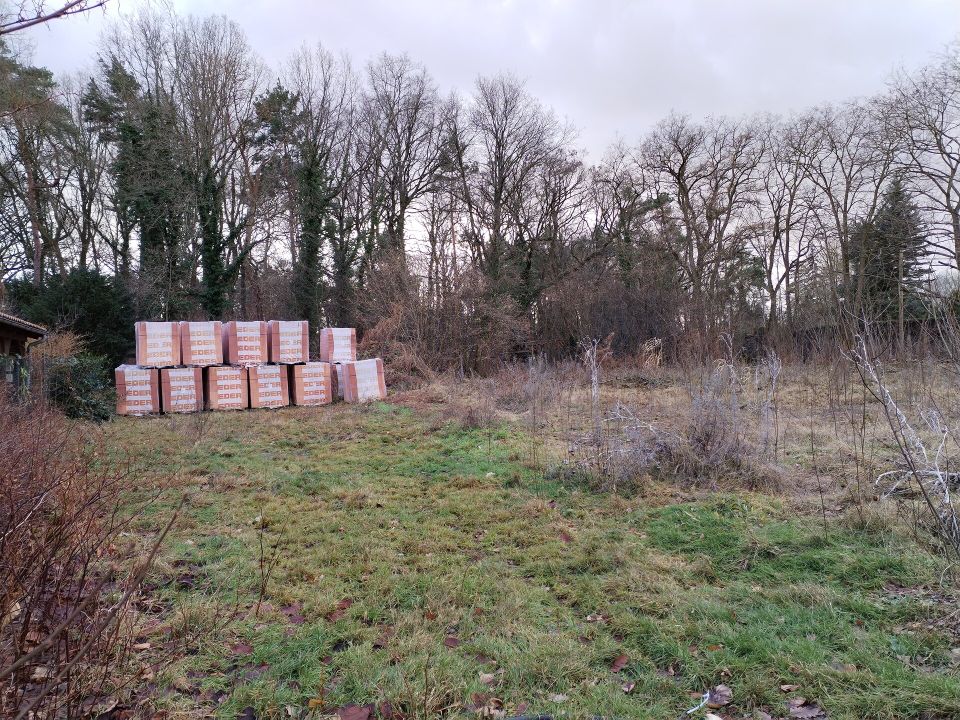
pixel 340 611
pixel 800 709
pixel 565 536
pixel 355 712
pixel 314 703
pixel 294 613
pixel 40 673
pixel 241 649
pixel 488 678
pixel 139 647
pixel 628 687
pixel 430 615
pixel 711 716
pixel 789 688
pixel 844 667
pixel 557 698
pixel 714 648
pixel 247 713
pixel 619 663
pixel 719 696
pixel 381 642
pixel 451 641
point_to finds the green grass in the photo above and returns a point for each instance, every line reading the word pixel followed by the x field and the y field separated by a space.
pixel 437 531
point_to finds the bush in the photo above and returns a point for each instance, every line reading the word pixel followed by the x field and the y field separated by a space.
pixel 66 610
pixel 80 387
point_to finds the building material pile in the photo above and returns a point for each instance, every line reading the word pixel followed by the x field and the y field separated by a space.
pixel 201 343
pixel 245 343
pixel 187 367
pixel 181 390
pixel 311 383
pixel 338 345
pixel 226 388
pixel 289 341
pixel 138 390
pixel 268 386
pixel 361 380
pixel 158 344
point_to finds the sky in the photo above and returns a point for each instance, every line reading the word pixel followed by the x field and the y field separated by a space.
pixel 612 68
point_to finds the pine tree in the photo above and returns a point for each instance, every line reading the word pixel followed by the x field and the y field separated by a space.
pixel 890 260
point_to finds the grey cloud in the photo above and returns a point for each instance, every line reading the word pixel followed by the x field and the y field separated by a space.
pixel 612 67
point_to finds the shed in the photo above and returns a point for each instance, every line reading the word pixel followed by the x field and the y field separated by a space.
pixel 16 335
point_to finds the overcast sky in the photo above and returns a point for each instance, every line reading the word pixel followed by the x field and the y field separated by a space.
pixel 611 67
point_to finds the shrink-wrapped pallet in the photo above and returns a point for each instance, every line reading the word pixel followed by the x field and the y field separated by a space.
pixel 158 344
pixel 245 343
pixel 226 388
pixel 361 380
pixel 181 390
pixel 311 384
pixel 201 343
pixel 138 390
pixel 289 341
pixel 268 386
pixel 338 345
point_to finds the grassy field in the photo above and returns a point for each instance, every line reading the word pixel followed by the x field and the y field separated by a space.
pixel 387 555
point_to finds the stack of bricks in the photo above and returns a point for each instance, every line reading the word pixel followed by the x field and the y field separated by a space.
pixel 356 380
pixel 192 366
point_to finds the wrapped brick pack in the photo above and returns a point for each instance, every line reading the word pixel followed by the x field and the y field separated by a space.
pixel 311 384
pixel 268 386
pixel 361 380
pixel 226 388
pixel 138 390
pixel 245 343
pixel 289 341
pixel 181 390
pixel 158 344
pixel 338 344
pixel 201 343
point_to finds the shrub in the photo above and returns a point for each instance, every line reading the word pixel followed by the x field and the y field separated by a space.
pixel 65 601
pixel 79 386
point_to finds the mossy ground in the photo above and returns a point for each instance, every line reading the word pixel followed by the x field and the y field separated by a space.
pixel 434 531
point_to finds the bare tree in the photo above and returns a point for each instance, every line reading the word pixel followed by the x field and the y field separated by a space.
pixel 922 115
pixel 30 14
pixel 711 171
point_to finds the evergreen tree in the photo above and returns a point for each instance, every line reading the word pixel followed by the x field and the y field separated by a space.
pixel 890 259
pixel 149 184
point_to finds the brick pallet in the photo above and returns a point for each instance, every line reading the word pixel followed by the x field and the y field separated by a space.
pixel 158 344
pixel 138 390
pixel 289 341
pixel 245 343
pixel 201 343
pixel 268 386
pixel 361 380
pixel 311 383
pixel 181 390
pixel 338 345
pixel 226 388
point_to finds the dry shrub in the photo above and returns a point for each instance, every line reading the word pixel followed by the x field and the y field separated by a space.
pixel 463 328
pixel 65 598
pixel 711 449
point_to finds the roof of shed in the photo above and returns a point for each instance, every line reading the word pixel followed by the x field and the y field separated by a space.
pixel 25 326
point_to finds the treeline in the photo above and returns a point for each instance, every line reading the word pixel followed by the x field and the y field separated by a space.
pixel 186 179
